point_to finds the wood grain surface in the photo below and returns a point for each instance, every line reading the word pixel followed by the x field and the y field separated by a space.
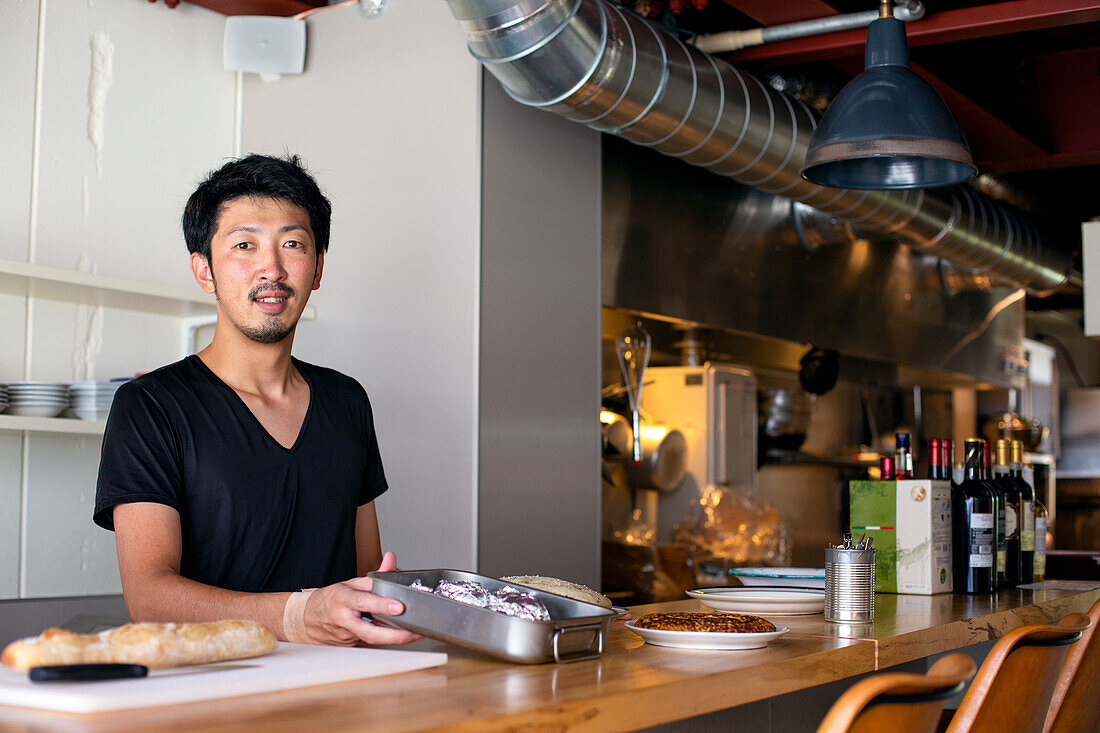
pixel 633 685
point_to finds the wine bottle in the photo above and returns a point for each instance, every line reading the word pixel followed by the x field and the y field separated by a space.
pixel 1029 537
pixel 1012 493
pixel 1000 553
pixel 936 470
pixel 973 514
pixel 886 468
pixel 957 470
pixel 903 457
pixel 1040 565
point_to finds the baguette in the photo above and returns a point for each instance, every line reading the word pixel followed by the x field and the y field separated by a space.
pixel 566 588
pixel 151 644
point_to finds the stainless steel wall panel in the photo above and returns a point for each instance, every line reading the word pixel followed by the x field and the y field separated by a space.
pixel 538 505
pixel 687 245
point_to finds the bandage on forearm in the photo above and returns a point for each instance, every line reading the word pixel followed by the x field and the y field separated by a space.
pixel 294 617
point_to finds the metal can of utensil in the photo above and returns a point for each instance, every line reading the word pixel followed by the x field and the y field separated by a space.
pixel 849 585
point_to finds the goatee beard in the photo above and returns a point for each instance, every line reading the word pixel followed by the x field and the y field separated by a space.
pixel 271 332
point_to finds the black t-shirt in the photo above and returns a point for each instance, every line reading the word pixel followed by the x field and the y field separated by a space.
pixel 255 516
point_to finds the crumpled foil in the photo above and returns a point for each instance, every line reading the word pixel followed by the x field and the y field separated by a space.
pixel 508 600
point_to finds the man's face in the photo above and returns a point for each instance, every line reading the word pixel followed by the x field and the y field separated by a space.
pixel 263 265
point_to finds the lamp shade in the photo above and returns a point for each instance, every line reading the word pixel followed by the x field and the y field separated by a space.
pixel 888 129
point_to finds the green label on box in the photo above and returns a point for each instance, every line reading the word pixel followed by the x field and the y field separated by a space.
pixel 874 512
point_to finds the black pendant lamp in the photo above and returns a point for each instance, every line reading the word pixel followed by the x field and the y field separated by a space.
pixel 887 129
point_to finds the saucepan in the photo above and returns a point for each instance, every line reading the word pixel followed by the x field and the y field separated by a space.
pixel 664 459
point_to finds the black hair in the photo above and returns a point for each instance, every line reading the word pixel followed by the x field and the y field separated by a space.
pixel 258 176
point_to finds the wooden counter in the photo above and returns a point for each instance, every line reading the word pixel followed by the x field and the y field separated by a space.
pixel 633 685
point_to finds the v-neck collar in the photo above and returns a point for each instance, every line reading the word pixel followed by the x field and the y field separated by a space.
pixel 244 405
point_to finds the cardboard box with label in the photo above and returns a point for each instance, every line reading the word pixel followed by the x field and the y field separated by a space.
pixel 910 522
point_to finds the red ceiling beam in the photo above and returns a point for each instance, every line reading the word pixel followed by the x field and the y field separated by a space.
pixel 284 8
pixel 770 12
pixel 1015 16
pixel 1069 97
pixel 1046 162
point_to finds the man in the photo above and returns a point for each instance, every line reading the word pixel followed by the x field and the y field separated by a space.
pixel 239 476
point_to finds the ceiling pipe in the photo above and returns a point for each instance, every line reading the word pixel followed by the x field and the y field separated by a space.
pixel 906 10
pixel 593 63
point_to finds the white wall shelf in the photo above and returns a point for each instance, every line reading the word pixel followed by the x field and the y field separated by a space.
pixel 52 425
pixel 56 283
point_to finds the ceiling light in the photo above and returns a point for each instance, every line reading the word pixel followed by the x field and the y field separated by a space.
pixel 887 128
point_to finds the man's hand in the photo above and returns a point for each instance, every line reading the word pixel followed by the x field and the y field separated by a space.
pixel 332 614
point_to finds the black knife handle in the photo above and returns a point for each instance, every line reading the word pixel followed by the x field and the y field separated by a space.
pixel 67 672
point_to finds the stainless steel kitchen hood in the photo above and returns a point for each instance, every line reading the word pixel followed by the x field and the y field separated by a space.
pixel 591 62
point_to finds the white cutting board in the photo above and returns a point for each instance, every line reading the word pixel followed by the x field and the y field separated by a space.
pixel 291 665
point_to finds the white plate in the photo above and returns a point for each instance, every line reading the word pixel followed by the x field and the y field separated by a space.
pixel 39 400
pixel 784 577
pixel 35 410
pixel 766 601
pixel 38 392
pixel 707 639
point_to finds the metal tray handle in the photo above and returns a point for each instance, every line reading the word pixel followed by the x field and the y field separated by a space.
pixel 584 654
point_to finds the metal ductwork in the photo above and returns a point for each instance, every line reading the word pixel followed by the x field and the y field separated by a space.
pixel 597 65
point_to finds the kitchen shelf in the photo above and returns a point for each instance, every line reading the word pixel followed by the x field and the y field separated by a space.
pixel 56 283
pixel 68 425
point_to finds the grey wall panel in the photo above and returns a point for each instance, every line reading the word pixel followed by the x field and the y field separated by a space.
pixel 539 441
pixel 83 614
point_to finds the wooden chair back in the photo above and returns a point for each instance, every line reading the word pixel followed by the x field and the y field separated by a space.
pixel 1076 702
pixel 898 702
pixel 1014 686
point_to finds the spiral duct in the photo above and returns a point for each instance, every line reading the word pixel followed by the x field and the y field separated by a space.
pixel 593 63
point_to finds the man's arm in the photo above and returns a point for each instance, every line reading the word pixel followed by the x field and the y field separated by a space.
pixel 368 543
pixel 150 545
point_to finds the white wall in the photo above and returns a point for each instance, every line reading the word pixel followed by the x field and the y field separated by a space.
pixel 386 116
pixel 167 116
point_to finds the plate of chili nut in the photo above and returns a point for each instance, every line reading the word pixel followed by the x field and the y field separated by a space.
pixel 691 630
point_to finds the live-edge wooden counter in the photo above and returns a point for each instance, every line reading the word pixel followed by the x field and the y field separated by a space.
pixel 633 685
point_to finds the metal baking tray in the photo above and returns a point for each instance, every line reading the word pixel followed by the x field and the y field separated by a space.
pixel 576 630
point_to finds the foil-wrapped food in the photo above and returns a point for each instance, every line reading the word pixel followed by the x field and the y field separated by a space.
pixel 508 600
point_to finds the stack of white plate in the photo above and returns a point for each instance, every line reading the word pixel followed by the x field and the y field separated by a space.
pixel 3 397
pixel 782 577
pixel 91 400
pixel 37 399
